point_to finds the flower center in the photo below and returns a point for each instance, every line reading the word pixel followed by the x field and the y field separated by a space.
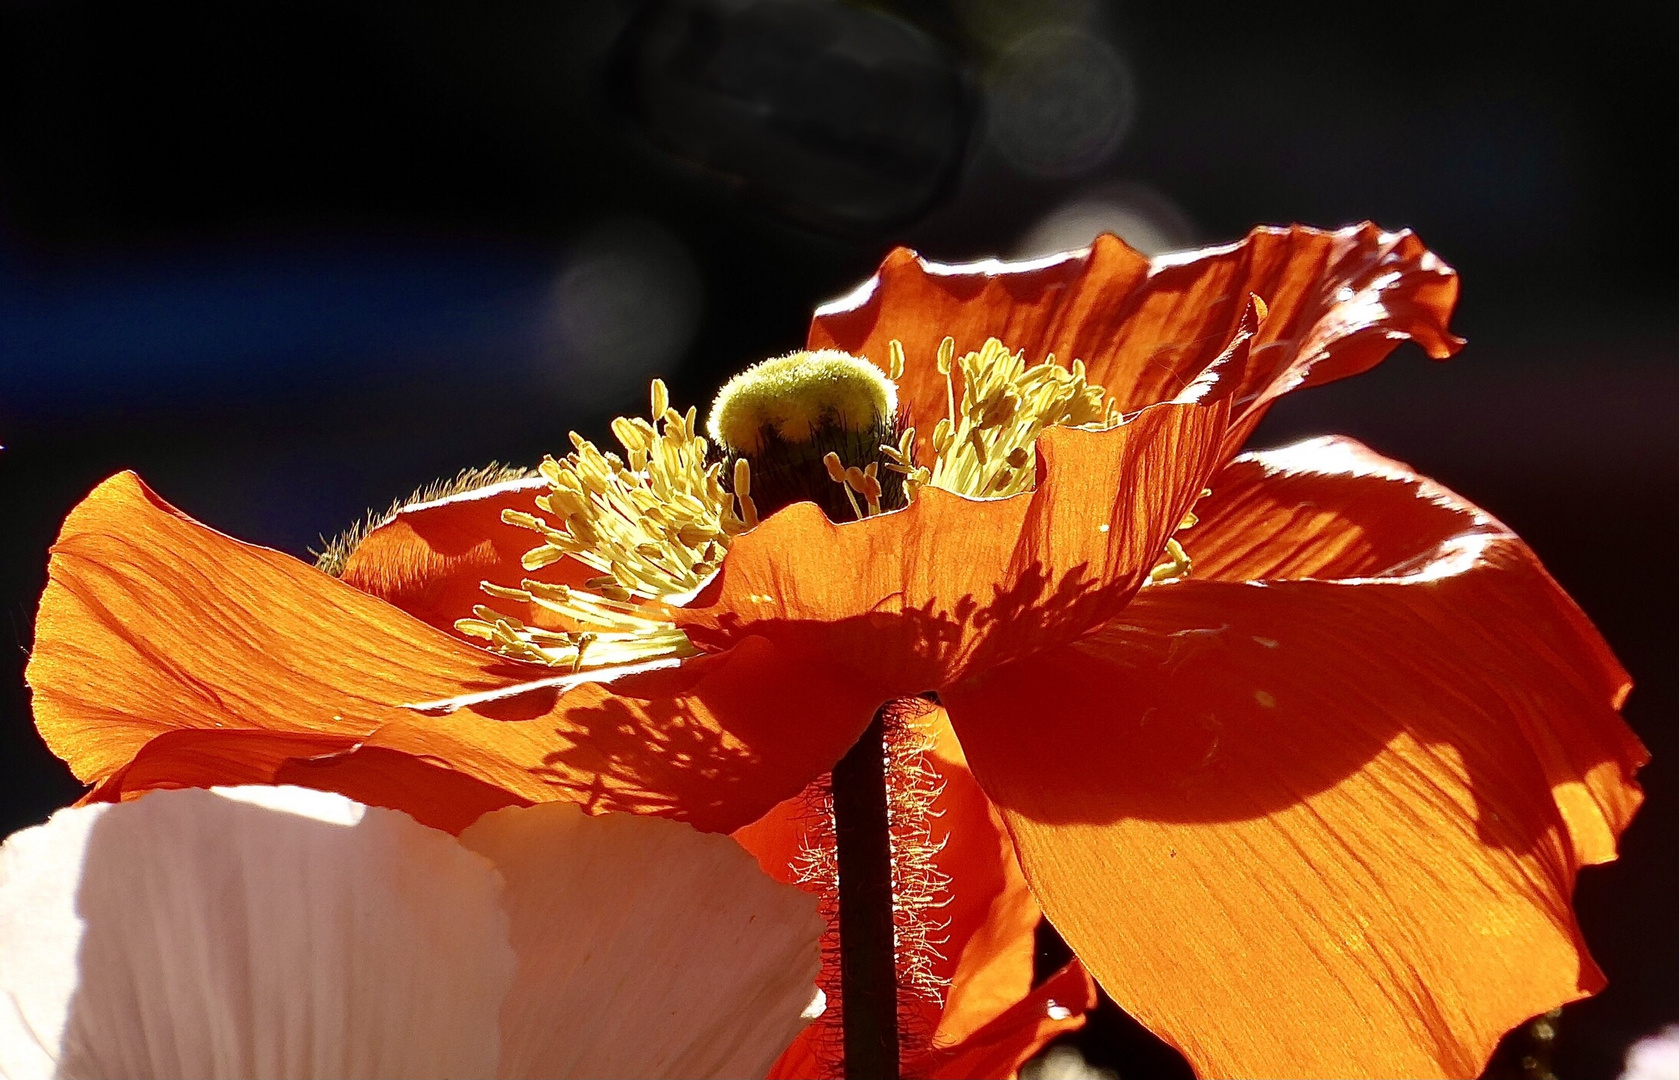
pixel 820 426
pixel 811 425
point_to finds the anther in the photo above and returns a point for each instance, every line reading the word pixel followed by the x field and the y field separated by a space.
pixel 743 492
pixel 982 447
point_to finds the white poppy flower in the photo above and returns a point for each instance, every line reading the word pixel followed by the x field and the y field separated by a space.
pixel 284 932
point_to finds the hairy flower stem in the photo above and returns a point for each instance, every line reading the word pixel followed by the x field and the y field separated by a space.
pixel 868 967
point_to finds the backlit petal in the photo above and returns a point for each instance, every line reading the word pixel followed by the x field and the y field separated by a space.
pixel 431 558
pixel 989 939
pixel 911 600
pixel 1340 302
pixel 1002 1046
pixel 1332 509
pixel 645 948
pixel 1321 826
pixel 248 932
pixel 432 794
pixel 153 623
pixel 1327 508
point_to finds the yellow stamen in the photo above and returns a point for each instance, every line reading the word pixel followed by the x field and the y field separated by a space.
pixel 901 460
pixel 1177 563
pixel 657 530
pixel 655 527
pixel 743 492
pixel 838 473
pixel 855 481
pixel 611 632
pixel 983 448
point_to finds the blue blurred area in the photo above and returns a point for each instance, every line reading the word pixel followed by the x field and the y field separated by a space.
pixel 144 331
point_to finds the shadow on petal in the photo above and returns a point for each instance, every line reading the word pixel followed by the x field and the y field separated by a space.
pixel 911 600
pixel 1375 791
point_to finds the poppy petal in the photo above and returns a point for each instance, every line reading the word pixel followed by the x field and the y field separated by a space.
pixel 1322 826
pixel 1002 1046
pixel 248 932
pixel 430 793
pixel 153 623
pixel 644 948
pixel 1326 508
pixel 991 920
pixel 910 600
pixel 431 558
pixel 222 933
pixel 1332 509
pixel 1340 302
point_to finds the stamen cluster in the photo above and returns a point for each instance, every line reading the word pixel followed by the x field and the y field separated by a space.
pixel 984 448
pixel 655 523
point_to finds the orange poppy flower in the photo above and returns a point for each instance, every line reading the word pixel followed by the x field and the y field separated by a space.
pixel 1308 799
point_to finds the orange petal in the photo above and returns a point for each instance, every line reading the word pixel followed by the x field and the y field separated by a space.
pixel 1001 1047
pixel 911 600
pixel 991 918
pixel 152 623
pixel 1322 827
pixel 431 558
pixel 1323 508
pixel 1331 508
pixel 1339 303
pixel 197 757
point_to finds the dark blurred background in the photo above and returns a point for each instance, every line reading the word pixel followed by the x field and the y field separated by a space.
pixel 292 260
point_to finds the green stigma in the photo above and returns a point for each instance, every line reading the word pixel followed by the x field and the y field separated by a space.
pixel 796 398
pixel 810 426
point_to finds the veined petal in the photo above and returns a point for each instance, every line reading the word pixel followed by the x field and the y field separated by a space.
pixel 433 794
pixel 152 623
pixel 1321 826
pixel 1331 509
pixel 1327 508
pixel 645 949
pixel 1340 302
pixel 1002 1046
pixel 912 600
pixel 248 932
pixel 431 558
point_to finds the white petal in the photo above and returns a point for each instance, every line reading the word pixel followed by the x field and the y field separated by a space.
pixel 1655 1057
pixel 646 948
pixel 250 932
